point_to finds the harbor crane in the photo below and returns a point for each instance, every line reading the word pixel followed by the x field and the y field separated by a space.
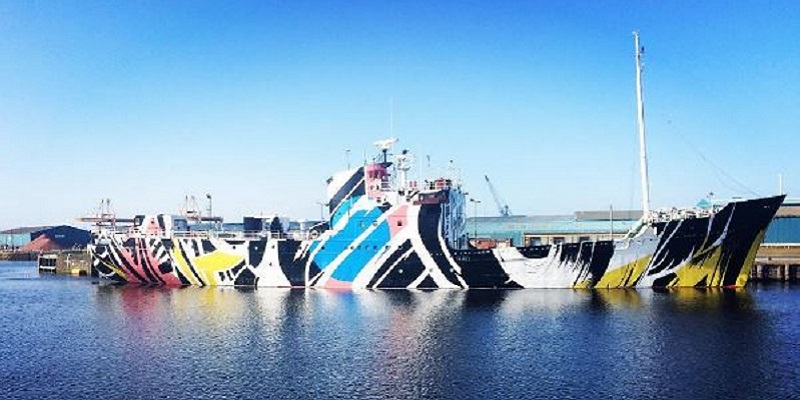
pixel 502 206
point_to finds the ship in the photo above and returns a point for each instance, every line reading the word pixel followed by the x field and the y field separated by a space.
pixel 385 230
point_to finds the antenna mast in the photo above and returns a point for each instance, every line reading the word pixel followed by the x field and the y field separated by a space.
pixel 640 123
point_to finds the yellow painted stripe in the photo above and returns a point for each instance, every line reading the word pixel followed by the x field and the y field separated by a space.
pixel 114 269
pixel 211 263
pixel 183 265
pixel 583 285
pixel 700 267
pixel 616 278
pixel 744 273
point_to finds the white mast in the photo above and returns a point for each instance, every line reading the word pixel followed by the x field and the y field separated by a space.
pixel 640 122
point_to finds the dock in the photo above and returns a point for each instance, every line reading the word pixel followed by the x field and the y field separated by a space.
pixel 68 262
pixel 777 263
pixel 18 255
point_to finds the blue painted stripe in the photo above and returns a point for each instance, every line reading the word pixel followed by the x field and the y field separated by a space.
pixel 359 222
pixel 360 256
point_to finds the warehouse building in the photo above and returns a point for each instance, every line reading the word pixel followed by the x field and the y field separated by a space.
pixel 778 259
pixel 44 238
pixel 582 226
pixel 531 230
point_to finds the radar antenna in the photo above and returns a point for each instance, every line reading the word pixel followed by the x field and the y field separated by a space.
pixel 384 145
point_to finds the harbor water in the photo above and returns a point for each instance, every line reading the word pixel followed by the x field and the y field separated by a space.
pixel 68 337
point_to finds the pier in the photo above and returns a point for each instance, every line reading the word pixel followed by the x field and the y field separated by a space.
pixel 777 263
pixel 71 262
pixel 18 255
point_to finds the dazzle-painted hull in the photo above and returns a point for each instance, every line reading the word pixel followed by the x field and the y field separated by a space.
pixel 403 246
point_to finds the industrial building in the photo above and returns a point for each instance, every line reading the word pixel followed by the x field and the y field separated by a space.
pixel 44 238
pixel 508 229
pixel 531 230
pixel 525 230
pixel 779 255
pixel 13 239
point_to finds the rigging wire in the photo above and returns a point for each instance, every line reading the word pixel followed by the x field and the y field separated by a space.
pixel 718 172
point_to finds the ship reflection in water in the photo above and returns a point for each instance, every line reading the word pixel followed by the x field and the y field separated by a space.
pixel 81 339
pixel 446 343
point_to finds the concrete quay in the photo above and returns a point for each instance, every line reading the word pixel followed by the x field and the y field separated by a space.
pixel 777 263
pixel 18 255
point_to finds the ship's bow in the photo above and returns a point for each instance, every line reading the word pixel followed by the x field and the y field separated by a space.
pixel 746 232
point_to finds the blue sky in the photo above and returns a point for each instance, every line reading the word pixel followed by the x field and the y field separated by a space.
pixel 256 102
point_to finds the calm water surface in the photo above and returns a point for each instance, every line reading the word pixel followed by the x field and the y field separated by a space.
pixel 77 338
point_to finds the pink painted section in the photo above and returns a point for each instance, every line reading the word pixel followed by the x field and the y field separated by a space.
pixel 372 178
pixel 128 258
pixel 144 262
pixel 398 220
pixel 168 278
pixel 337 284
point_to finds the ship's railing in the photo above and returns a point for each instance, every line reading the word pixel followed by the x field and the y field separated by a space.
pixel 106 230
pixel 130 232
pixel 671 214
pixel 437 184
pixel 229 234
pixel 665 215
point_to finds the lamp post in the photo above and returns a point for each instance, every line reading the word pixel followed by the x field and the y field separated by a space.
pixel 475 217
pixel 322 205
pixel 611 220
